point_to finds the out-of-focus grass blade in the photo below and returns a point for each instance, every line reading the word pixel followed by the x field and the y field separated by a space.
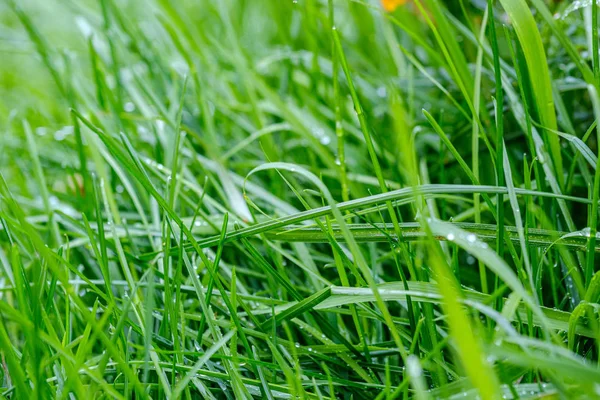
pixel 564 39
pixel 13 364
pixel 533 49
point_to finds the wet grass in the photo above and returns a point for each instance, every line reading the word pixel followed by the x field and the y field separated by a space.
pixel 311 199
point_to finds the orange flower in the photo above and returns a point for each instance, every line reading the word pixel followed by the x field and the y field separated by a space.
pixel 391 5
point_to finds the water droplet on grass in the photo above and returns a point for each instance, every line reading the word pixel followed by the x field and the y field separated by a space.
pixel 129 107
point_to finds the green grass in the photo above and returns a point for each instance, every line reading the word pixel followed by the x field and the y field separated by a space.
pixel 310 200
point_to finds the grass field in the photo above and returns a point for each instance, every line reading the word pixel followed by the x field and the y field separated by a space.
pixel 299 199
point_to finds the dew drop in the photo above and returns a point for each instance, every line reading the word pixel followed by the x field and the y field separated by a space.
pixel 129 107
pixel 325 140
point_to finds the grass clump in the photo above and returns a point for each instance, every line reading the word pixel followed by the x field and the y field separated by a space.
pixel 299 199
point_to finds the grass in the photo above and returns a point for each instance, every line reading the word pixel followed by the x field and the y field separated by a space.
pixel 299 199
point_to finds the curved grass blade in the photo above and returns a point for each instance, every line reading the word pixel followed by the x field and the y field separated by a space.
pixel 356 252
pixel 394 195
pixel 533 49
